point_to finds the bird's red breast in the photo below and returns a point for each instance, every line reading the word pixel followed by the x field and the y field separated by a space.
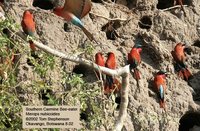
pixel 111 63
pixel 159 80
pixel 134 55
pixel 99 60
pixel 178 53
pixel 160 87
pixel 28 24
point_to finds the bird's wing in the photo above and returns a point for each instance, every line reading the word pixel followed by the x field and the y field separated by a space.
pixel 161 92
pixel 78 7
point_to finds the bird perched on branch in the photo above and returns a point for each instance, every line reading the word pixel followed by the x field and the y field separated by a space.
pixel 180 2
pixel 111 83
pixel 99 60
pixel 179 58
pixel 73 11
pixel 134 59
pixel 28 26
pixel 160 87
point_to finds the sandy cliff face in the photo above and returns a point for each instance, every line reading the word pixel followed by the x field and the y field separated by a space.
pixel 157 30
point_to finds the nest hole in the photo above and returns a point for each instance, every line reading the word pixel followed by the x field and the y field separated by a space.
pixel 197 43
pixel 81 69
pixel 118 101
pixel 110 29
pixel 66 27
pixel 83 116
pixel 97 1
pixel 29 62
pixel 145 22
pixel 188 50
pixel 189 120
pixel 163 4
pixel 6 123
pixel 43 94
pixel 43 4
pixel 6 32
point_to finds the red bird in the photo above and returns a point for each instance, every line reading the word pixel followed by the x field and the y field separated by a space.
pixel 179 58
pixel 111 84
pixel 28 26
pixel 99 60
pixel 160 87
pixel 180 2
pixel 134 59
pixel 28 23
pixel 73 11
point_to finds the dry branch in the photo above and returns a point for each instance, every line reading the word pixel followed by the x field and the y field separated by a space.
pixel 111 19
pixel 173 7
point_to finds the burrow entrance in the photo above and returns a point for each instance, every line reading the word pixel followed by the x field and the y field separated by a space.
pixel 163 4
pixel 189 120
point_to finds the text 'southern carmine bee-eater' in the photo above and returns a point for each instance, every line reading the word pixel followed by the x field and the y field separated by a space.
pixel 28 26
pixel 111 83
pixel 179 58
pixel 99 60
pixel 73 11
pixel 134 59
pixel 160 87
pixel 180 2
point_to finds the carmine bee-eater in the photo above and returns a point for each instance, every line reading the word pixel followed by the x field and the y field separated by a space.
pixel 160 87
pixel 99 60
pixel 134 59
pixel 180 2
pixel 179 58
pixel 73 11
pixel 28 26
pixel 111 83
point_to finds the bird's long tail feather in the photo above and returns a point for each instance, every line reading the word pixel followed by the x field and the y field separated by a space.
pixel 161 97
pixel 32 45
pixel 183 71
pixel 111 85
pixel 136 74
pixel 162 104
pixel 186 73
pixel 88 34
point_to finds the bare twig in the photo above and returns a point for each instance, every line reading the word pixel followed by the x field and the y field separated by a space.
pixel 173 7
pixel 111 19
